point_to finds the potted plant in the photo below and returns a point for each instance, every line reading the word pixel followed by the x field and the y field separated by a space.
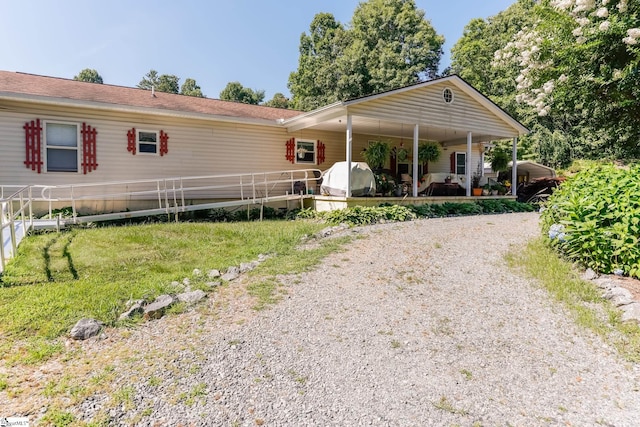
pixel 376 154
pixel 402 154
pixel 475 185
pixel 500 160
pixel 428 151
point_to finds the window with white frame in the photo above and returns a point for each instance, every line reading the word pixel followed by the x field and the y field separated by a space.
pixel 147 142
pixel 61 145
pixel 306 152
pixel 460 163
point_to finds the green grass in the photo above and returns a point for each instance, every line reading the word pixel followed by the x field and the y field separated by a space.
pixel 562 282
pixel 58 278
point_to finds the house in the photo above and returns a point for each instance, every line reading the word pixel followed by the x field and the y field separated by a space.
pixel 57 132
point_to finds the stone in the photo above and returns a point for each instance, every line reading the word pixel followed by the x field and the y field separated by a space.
pixel 248 266
pixel 186 281
pixel 213 284
pixel 86 328
pixel 134 309
pixel 197 272
pixel 232 273
pixel 618 296
pixel 262 257
pixel 604 282
pixel 156 309
pixel 191 297
pixel 589 274
pixel 214 274
pixel 631 312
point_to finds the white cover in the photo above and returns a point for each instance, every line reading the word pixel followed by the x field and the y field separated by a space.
pixel 334 180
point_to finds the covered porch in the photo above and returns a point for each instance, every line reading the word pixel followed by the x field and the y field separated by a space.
pixel 447 111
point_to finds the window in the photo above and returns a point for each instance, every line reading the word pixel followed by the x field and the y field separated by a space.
pixel 147 142
pixel 460 167
pixel 61 145
pixel 447 95
pixel 306 152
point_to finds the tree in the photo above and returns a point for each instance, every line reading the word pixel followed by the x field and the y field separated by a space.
pixel 162 83
pixel 278 101
pixel 89 75
pixel 579 65
pixel 234 91
pixel 389 44
pixel 191 88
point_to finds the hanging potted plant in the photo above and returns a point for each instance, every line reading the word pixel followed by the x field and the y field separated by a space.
pixel 428 151
pixel 376 154
pixel 402 153
pixel 500 160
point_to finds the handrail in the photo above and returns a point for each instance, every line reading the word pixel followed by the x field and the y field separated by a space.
pixel 9 217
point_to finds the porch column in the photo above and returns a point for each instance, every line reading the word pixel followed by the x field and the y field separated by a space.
pixel 467 176
pixel 348 156
pixel 514 168
pixel 416 178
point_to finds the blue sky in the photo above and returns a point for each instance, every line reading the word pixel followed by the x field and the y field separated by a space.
pixel 254 42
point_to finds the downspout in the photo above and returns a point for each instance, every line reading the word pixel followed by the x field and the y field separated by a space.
pixel 468 168
pixel 349 149
pixel 514 167
pixel 416 179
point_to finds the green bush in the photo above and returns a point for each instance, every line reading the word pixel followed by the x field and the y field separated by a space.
pixel 594 218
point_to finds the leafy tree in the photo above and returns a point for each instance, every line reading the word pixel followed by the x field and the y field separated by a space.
pixel 234 91
pixel 278 101
pixel 89 75
pixel 389 44
pixel 191 88
pixel 579 66
pixel 162 83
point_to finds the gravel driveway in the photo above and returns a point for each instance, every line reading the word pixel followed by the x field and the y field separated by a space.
pixel 418 324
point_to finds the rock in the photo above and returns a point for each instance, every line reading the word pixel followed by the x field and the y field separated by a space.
pixel 262 257
pixel 175 283
pixel 589 274
pixel 213 274
pixel 156 309
pixel 186 281
pixel 618 272
pixel 232 273
pixel 618 296
pixel 197 272
pixel 135 308
pixel 213 284
pixel 85 328
pixel 191 297
pixel 604 282
pixel 248 266
pixel 631 312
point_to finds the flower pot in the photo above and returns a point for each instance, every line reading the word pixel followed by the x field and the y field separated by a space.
pixel 476 191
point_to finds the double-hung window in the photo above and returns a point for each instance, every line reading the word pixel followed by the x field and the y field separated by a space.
pixel 306 152
pixel 460 163
pixel 147 142
pixel 61 145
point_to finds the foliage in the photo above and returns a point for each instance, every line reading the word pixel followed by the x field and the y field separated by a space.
pixel 500 159
pixel 389 44
pixel 376 154
pixel 578 68
pixel 384 182
pixel 191 88
pixel 594 218
pixel 278 101
pixel 89 75
pixel 234 91
pixel 162 83
pixel 429 151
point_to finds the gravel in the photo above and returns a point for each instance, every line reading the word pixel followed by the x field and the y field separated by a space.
pixel 417 324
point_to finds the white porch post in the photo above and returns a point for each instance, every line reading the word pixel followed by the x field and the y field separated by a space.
pixel 416 178
pixel 467 177
pixel 348 156
pixel 514 168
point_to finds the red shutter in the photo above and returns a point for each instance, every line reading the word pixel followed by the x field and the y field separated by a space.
pixel 131 141
pixel 320 152
pixel 453 163
pixel 291 149
pixel 89 155
pixel 164 143
pixel 33 143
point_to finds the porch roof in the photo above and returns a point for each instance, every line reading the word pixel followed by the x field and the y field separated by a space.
pixel 393 114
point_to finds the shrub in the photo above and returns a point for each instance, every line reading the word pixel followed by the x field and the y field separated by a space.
pixel 594 218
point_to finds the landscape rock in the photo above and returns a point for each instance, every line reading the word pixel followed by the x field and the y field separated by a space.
pixel 191 297
pixel 589 274
pixel 213 284
pixel 248 266
pixel 156 309
pixel 604 282
pixel 86 328
pixel 186 281
pixel 135 308
pixel 214 273
pixel 618 296
pixel 197 272
pixel 232 273
pixel 631 312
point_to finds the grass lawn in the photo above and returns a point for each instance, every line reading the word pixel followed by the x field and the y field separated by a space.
pixel 58 278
